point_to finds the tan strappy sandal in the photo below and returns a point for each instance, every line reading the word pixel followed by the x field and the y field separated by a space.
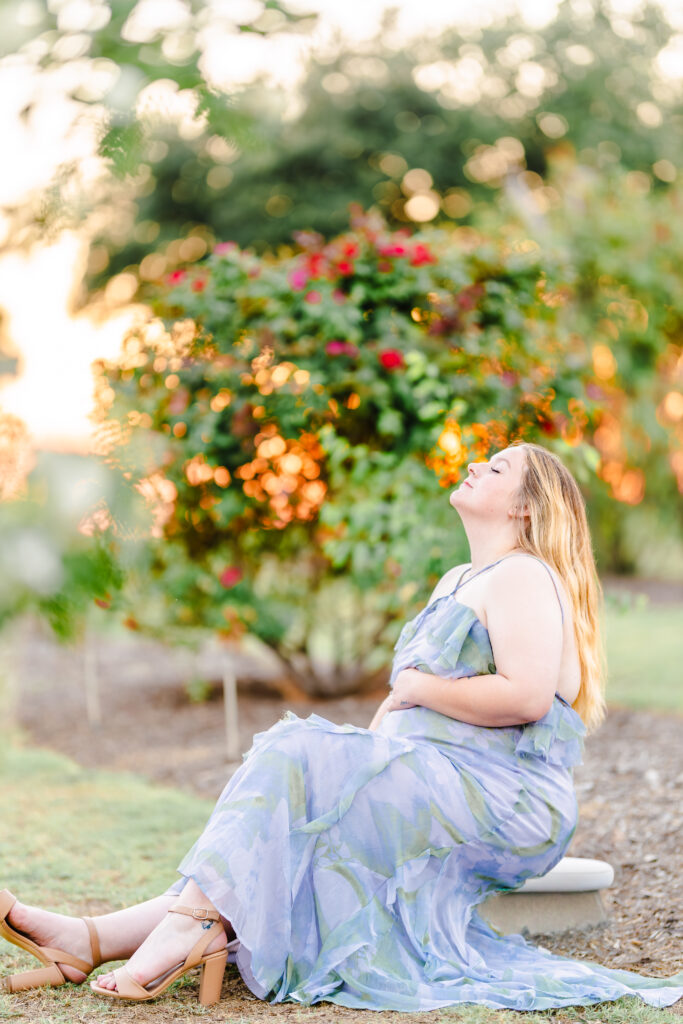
pixel 51 973
pixel 212 965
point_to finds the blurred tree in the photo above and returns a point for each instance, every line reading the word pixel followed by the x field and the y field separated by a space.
pixel 618 235
pixel 465 110
pixel 426 133
pixel 296 416
pixel 110 73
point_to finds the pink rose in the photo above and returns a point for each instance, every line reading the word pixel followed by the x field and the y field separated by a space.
pixel 341 348
pixel 230 576
pixel 298 279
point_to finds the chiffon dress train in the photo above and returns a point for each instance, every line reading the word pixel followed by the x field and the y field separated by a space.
pixel 351 863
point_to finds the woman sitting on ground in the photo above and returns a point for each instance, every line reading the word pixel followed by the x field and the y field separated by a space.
pixel 346 864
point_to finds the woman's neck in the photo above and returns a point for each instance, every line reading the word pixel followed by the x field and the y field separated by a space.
pixel 485 549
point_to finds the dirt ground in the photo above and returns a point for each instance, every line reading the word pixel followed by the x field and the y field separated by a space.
pixel 630 786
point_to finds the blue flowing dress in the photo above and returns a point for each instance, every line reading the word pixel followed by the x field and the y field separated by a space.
pixel 351 863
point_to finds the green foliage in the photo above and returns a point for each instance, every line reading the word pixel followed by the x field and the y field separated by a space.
pixel 618 236
pixel 312 404
pixel 470 109
pixel 103 58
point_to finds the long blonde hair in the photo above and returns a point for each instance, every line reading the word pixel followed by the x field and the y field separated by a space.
pixel 556 530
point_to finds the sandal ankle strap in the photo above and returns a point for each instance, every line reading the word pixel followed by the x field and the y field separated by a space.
pixel 94 942
pixel 198 913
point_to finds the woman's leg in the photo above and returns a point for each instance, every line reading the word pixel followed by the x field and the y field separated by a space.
pixel 169 943
pixel 120 933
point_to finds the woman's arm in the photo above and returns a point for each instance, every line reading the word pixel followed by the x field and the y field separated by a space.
pixel 525 630
pixel 479 700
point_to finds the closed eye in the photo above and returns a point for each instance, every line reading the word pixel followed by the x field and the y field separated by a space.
pixel 493 470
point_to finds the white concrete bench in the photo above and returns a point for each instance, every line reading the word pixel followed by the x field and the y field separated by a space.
pixel 569 896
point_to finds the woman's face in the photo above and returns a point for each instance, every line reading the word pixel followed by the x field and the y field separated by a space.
pixel 489 487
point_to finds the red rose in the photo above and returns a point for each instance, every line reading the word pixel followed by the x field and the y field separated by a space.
pixel 199 284
pixel 315 262
pixel 421 255
pixel 345 267
pixel 391 359
pixel 177 276
pixel 230 576
pixel 392 250
pixel 350 249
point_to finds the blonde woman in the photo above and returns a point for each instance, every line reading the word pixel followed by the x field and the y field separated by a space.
pixel 346 864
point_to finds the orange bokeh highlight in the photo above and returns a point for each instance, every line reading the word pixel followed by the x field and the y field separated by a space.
pixel 285 476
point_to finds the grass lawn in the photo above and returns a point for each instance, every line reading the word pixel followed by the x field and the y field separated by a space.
pixel 84 842
pixel 644 653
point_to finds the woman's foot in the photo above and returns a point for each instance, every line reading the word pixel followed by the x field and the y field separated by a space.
pixel 70 934
pixel 167 946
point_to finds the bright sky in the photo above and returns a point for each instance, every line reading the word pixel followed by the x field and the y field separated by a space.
pixel 54 392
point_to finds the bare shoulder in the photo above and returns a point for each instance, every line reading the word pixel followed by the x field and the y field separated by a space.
pixel 527 577
pixel 448 581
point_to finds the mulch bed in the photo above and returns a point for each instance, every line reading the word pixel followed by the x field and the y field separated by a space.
pixel 630 787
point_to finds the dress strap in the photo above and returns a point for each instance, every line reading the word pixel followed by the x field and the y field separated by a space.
pixel 503 559
pixel 477 573
pixel 551 577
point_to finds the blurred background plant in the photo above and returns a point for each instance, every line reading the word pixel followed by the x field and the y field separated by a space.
pixel 312 405
pixel 294 390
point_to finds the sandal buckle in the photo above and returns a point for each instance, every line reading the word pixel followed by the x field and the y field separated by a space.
pixel 200 913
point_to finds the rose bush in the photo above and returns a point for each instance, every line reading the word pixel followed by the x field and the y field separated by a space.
pixel 299 417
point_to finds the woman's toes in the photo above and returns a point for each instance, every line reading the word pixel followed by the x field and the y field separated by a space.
pixel 105 981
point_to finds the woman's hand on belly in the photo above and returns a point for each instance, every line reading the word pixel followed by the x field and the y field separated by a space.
pixel 490 699
pixel 402 696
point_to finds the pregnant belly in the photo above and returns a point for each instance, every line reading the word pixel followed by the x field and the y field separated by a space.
pixel 517 789
pixel 449 734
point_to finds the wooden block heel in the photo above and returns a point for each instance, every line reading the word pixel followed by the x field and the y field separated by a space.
pixel 211 981
pixel 33 979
